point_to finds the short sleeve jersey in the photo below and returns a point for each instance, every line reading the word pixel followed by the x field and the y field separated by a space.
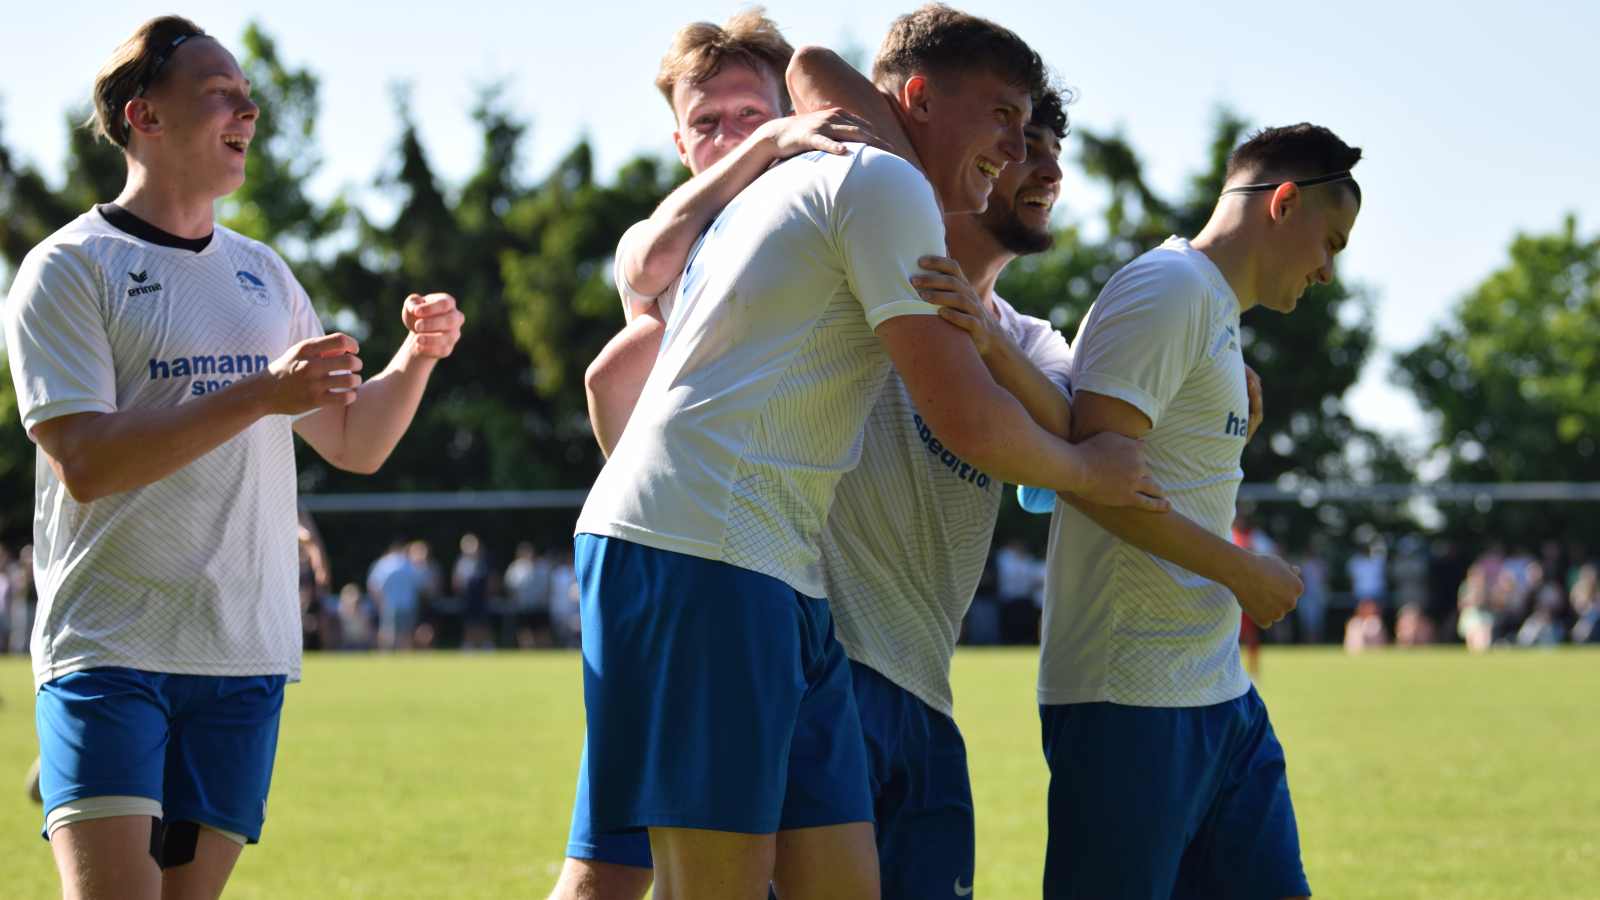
pixel 909 533
pixel 769 366
pixel 195 573
pixel 1122 625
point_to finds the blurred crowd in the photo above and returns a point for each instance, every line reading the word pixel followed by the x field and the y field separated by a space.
pixel 1411 591
pixel 1407 592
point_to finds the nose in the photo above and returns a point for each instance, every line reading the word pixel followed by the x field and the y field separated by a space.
pixel 248 110
pixel 1325 273
pixel 1048 170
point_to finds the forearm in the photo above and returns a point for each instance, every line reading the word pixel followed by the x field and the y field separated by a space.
pixel 614 381
pixel 995 432
pixel 1046 404
pixel 819 78
pixel 99 454
pixel 1171 536
pixel 652 260
pixel 382 411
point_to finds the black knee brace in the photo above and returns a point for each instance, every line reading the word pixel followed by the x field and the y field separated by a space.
pixel 172 843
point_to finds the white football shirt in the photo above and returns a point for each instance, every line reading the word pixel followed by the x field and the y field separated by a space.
pixel 769 366
pixel 195 573
pixel 909 533
pixel 1120 624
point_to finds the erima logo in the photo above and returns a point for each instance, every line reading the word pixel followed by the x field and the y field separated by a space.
pixel 1236 426
pixel 962 891
pixel 254 288
pixel 139 278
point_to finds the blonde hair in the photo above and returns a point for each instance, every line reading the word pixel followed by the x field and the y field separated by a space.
pixel 700 50
pixel 134 68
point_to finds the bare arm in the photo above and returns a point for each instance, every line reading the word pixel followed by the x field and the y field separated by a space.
pixel 819 78
pixel 987 427
pixel 99 454
pixel 384 407
pixel 658 249
pixel 946 285
pixel 615 379
pixel 1266 587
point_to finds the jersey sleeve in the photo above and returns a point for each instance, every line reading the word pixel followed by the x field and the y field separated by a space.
pixel 1047 349
pixel 885 219
pixel 1143 336
pixel 633 302
pixel 56 340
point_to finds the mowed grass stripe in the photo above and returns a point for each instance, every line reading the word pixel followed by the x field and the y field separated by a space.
pixel 1424 774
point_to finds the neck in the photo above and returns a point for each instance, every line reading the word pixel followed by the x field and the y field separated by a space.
pixel 981 257
pixel 1225 242
pixel 166 202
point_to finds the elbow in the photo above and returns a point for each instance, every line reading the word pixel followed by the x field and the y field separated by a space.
pixel 359 466
pixel 81 483
pixel 806 61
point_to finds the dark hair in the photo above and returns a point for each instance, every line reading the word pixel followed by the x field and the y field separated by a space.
pixel 135 67
pixel 938 39
pixel 1050 110
pixel 1293 152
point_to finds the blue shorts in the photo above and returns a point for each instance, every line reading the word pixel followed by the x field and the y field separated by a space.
pixel 921 792
pixel 201 746
pixel 922 795
pixel 1165 803
pixel 717 698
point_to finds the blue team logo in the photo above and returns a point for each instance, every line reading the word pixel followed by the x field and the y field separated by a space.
pixel 254 288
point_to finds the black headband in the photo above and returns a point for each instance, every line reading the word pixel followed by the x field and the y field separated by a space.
pixel 161 60
pixel 1301 182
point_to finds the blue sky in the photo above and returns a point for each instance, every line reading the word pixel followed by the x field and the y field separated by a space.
pixel 1472 120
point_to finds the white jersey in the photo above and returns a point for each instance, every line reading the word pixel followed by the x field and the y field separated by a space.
pixel 909 533
pixel 769 366
pixel 1120 624
pixel 633 302
pixel 195 573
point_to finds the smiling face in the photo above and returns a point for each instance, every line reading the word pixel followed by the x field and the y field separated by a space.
pixel 967 128
pixel 198 119
pixel 1308 230
pixel 1018 216
pixel 716 115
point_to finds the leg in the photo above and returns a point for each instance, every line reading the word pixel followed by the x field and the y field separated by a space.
pixel 833 862
pixel 588 879
pixel 1248 847
pixel 203 877
pixel 699 864
pixel 106 858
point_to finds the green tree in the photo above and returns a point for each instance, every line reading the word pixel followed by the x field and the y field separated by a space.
pixel 1510 378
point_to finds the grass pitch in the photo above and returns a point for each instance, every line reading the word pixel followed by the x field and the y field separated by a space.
pixel 1423 774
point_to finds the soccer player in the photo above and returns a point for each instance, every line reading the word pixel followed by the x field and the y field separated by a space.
pixel 699 548
pixel 162 364
pixel 1166 778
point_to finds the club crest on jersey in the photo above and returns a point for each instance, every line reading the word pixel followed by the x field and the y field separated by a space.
pixel 140 287
pixel 254 288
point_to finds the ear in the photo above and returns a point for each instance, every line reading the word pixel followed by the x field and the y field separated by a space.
pixel 683 150
pixel 916 98
pixel 1286 199
pixel 140 114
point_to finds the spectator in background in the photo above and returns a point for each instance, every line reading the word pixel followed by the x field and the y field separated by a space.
pixel 1369 580
pixel 472 582
pixel 1410 572
pixel 395 586
pixel 432 580
pixel 564 620
pixel 1475 619
pixel 1447 569
pixel 1412 627
pixel 1365 630
pixel 1545 626
pixel 5 597
pixel 1585 597
pixel 318 627
pixel 1020 576
pixel 23 598
pixel 355 619
pixel 1311 615
pixel 528 583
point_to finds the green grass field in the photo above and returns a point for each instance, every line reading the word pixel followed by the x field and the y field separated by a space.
pixel 1423 774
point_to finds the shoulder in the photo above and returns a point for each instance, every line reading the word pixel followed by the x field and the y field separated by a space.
pixel 871 168
pixel 248 248
pixel 1163 276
